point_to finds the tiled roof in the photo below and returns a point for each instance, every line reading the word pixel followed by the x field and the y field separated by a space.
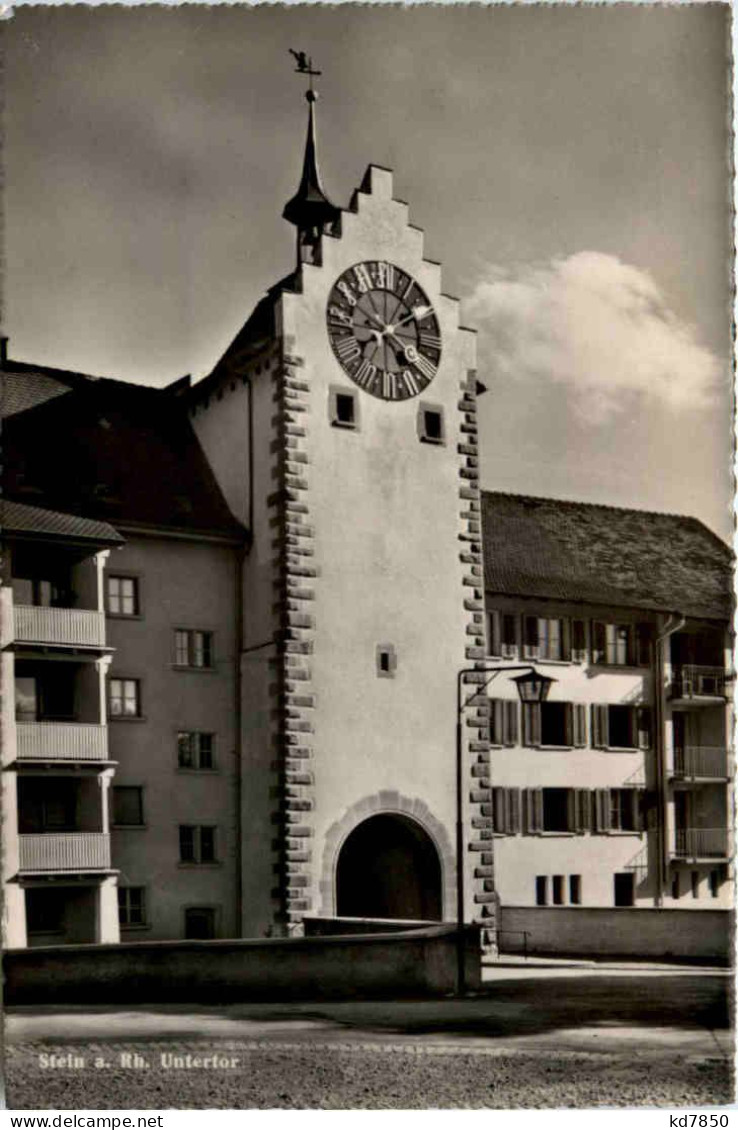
pixel 18 518
pixel 116 452
pixel 575 551
pixel 19 391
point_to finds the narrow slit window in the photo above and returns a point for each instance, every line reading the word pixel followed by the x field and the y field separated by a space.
pixel 344 409
pixel 431 424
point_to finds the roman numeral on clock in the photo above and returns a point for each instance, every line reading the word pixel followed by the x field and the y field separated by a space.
pixel 363 278
pixel 347 349
pixel 384 274
pixel 429 341
pixel 365 375
pixel 424 366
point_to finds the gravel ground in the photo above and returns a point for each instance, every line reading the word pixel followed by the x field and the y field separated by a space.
pixel 373 1076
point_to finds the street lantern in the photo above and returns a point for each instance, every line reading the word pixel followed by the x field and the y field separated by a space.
pixel 533 687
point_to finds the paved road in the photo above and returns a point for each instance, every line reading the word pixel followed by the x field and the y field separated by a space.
pixel 534 1037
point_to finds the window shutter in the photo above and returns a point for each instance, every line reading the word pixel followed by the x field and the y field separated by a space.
pixel 565 639
pixel 510 726
pixel 509 641
pixel 530 637
pixel 602 810
pixel 532 723
pixel 599 727
pixel 582 810
pixel 578 641
pixel 493 632
pixel 643 645
pixel 513 810
pixel 640 810
pixel 495 721
pixel 537 795
pixel 571 810
pixel 498 810
pixel 579 724
pixel 598 642
pixel 532 809
pixel 643 726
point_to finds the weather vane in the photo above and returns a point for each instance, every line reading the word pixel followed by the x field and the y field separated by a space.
pixel 305 67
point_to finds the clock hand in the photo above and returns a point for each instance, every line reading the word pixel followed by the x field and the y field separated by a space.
pixel 417 312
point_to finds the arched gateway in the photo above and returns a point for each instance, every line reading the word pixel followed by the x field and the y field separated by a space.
pixel 388 867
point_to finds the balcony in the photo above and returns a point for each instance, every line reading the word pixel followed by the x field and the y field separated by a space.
pixel 701 843
pixel 66 627
pixel 65 851
pixel 693 683
pixel 704 762
pixel 62 741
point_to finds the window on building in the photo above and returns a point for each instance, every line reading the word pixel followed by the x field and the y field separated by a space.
pixel 195 750
pixel 695 884
pixel 193 648
pixel 44 911
pixel 715 883
pixel 621 727
pixel 132 906
pixel 578 641
pixel 196 843
pixel 624 888
pixel 575 890
pixel 26 698
pixel 554 724
pixel 122 596
pixel 199 922
pixel 541 890
pixel 344 408
pixel 556 810
pixel 127 805
pixel 546 638
pixel 125 698
pixel 386 658
pixel 617 810
pixel 502 631
pixel 621 644
pixel 558 890
pixel 675 887
pixel 623 815
pixel 430 424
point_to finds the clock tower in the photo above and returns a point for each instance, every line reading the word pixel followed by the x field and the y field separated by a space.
pixel 342 425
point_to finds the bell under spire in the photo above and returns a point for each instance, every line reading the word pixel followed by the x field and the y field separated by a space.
pixel 310 210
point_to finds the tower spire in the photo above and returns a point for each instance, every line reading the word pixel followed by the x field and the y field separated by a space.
pixel 310 209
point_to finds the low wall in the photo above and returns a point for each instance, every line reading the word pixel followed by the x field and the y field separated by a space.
pixel 330 927
pixel 418 963
pixel 629 932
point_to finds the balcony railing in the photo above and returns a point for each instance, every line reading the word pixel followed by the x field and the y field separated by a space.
pixel 65 851
pixel 695 681
pixel 696 843
pixel 77 627
pixel 706 761
pixel 62 741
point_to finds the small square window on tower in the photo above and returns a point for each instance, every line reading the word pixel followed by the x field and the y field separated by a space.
pixel 344 408
pixel 431 426
pixel 386 660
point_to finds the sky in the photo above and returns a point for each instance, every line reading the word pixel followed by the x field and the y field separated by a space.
pixel 569 166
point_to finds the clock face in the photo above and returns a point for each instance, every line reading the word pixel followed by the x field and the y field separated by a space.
pixel 383 330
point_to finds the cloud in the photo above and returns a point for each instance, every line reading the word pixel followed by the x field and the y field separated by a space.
pixel 596 326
